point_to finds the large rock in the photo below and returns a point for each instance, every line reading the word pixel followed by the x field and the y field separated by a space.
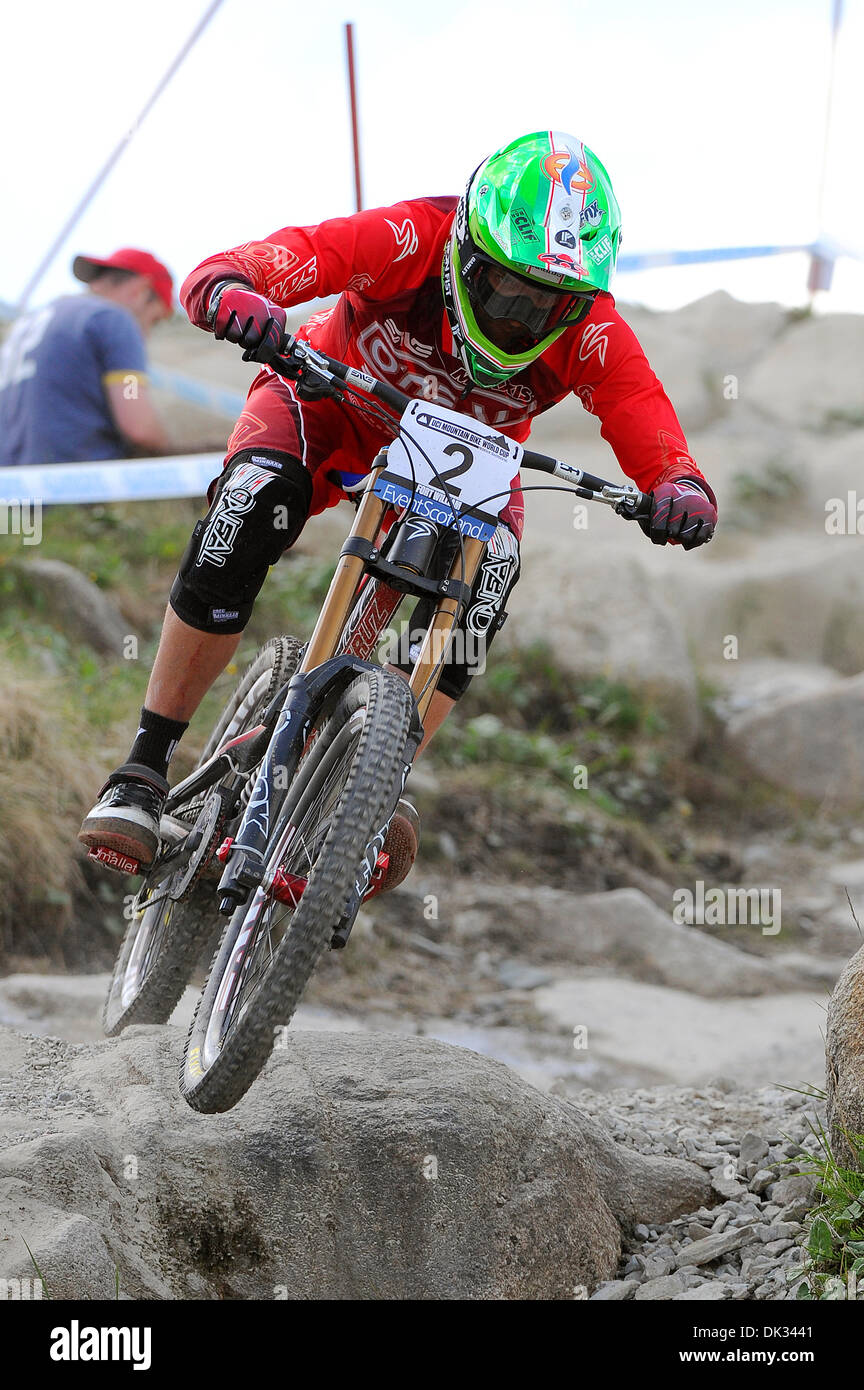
pixel 698 348
pixel 622 929
pixel 811 745
pixel 745 457
pixel 606 620
pixel 812 376
pixel 799 598
pixel 844 1062
pixel 835 472
pixel 650 1035
pixel 66 1006
pixel 76 604
pixel 745 687
pixel 732 333
pixel 359 1166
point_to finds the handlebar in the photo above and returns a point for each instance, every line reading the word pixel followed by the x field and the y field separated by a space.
pixel 300 362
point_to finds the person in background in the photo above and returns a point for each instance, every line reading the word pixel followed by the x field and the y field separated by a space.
pixel 73 375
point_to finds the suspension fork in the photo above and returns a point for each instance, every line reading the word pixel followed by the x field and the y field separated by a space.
pixel 434 645
pixel 343 586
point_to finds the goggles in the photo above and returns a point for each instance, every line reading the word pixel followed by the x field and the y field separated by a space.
pixel 514 312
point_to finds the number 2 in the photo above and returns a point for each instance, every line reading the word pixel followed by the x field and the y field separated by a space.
pixel 467 460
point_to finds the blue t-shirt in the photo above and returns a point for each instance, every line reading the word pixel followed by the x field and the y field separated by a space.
pixel 54 365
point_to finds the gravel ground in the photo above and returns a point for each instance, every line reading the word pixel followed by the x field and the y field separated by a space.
pixel 754 1144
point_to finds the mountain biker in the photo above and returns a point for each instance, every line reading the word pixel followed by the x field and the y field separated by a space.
pixel 495 304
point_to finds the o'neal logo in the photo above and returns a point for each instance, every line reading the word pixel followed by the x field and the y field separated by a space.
pixel 493 581
pixel 236 500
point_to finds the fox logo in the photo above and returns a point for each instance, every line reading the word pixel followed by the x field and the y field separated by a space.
pixel 594 340
pixel 569 170
pixel 406 237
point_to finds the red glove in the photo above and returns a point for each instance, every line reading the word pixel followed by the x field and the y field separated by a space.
pixel 241 315
pixel 683 511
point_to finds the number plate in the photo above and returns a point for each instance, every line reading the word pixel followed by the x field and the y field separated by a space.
pixel 445 465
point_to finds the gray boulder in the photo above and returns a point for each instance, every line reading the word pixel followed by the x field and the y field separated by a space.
pixel 359 1166
pixel 622 929
pixel 76 604
pixel 744 687
pixel 811 376
pixel 844 1061
pixel 800 599
pixel 607 621
pixel 811 745
pixel 698 348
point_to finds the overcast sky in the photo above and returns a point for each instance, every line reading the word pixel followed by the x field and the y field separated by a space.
pixel 709 117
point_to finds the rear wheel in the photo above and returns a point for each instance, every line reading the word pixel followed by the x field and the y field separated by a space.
pixel 345 790
pixel 164 941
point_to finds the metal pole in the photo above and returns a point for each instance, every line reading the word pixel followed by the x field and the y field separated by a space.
pixel 355 136
pixel 821 267
pixel 100 178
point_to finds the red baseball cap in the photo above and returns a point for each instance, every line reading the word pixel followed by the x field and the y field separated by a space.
pixel 86 268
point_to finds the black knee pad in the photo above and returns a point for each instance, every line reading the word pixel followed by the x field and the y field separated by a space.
pixel 498 572
pixel 259 509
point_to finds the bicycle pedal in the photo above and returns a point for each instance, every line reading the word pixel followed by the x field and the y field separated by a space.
pixel 113 859
pixel 379 874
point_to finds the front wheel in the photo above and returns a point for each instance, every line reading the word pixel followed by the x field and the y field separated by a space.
pixel 345 789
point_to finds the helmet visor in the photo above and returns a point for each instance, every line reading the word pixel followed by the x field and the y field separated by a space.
pixel 514 312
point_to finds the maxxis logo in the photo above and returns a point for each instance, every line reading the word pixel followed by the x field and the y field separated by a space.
pixel 406 238
pixel 594 340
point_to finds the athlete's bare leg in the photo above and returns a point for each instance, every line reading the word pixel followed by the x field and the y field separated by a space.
pixel 187 663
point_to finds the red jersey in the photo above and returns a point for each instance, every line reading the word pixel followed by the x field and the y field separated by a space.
pixel 390 320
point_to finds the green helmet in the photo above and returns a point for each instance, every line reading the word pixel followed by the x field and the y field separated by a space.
pixel 535 237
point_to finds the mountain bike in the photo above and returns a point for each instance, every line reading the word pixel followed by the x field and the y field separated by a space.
pixel 293 796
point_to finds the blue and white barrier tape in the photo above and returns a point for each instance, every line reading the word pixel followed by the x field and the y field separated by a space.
pixel 123 480
pixel 186 388
pixel 655 260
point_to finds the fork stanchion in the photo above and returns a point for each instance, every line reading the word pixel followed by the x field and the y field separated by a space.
pixel 343 586
pixel 434 646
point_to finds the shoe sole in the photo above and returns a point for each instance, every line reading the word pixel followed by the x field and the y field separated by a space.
pixel 115 834
pixel 402 844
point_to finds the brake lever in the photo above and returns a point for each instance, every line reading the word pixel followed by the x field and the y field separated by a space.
pixel 308 389
pixel 626 500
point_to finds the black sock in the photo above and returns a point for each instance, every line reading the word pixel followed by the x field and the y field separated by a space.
pixel 156 740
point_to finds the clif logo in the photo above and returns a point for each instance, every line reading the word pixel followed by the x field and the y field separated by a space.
pixel 572 173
